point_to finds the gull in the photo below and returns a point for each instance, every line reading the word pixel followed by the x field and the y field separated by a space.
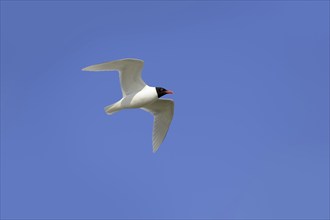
pixel 137 94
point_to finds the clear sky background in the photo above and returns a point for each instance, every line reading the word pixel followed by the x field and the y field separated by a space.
pixel 250 134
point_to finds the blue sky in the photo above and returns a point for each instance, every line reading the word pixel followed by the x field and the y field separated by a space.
pixel 250 134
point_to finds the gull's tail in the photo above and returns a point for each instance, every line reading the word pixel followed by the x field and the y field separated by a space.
pixel 110 109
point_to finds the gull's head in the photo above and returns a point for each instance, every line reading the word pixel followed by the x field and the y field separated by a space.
pixel 161 91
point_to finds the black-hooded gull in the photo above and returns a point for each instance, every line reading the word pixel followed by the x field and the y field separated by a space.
pixel 136 94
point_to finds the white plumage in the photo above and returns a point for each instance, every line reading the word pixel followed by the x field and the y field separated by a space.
pixel 136 94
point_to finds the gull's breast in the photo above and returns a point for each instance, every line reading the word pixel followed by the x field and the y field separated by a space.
pixel 144 97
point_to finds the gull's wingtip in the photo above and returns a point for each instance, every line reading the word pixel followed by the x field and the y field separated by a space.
pixel 86 69
pixel 155 149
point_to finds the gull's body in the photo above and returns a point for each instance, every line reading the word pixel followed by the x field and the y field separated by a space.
pixel 136 94
pixel 136 100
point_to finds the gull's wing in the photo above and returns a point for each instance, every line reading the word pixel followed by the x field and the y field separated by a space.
pixel 162 110
pixel 129 73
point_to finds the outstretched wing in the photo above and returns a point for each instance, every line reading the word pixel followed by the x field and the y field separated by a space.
pixel 129 73
pixel 163 111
